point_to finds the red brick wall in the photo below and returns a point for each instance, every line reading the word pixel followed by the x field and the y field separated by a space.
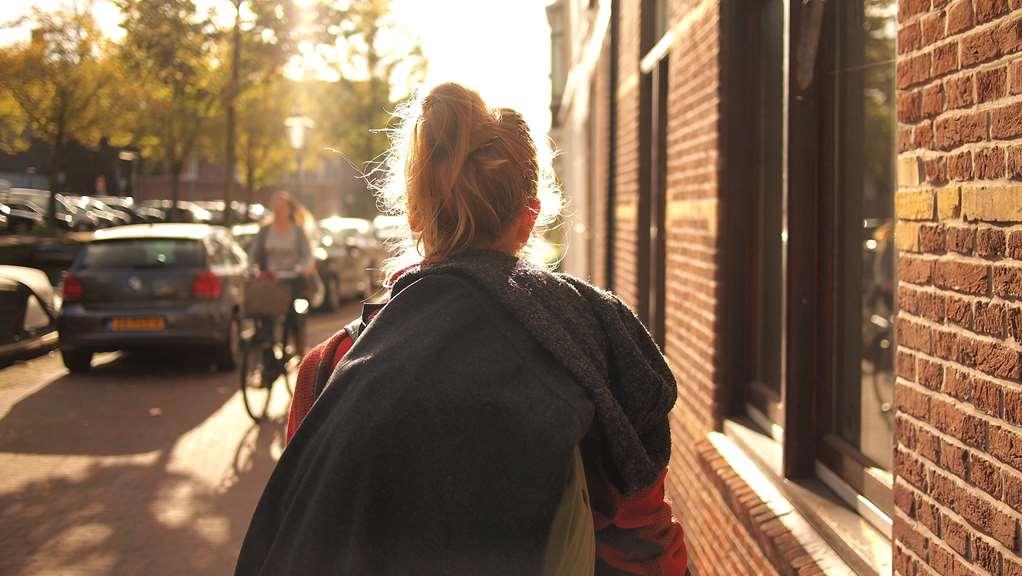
pixel 693 106
pixel 958 454
pixel 627 153
pixel 600 111
pixel 718 542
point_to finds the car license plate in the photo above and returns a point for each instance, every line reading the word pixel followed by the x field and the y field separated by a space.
pixel 137 324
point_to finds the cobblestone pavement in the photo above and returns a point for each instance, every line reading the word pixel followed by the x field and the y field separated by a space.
pixel 146 466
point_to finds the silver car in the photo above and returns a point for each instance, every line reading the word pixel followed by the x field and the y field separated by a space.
pixel 154 286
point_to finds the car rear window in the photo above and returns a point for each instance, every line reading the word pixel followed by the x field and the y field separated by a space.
pixel 145 253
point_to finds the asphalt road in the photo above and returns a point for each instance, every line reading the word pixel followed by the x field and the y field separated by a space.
pixel 148 466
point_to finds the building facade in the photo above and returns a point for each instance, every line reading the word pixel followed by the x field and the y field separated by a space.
pixel 816 208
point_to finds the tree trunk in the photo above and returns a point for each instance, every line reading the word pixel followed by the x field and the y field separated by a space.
pixel 175 188
pixel 53 178
pixel 249 185
pixel 230 109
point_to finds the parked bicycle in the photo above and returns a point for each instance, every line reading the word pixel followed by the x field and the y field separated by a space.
pixel 271 350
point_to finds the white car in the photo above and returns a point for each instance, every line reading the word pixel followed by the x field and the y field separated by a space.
pixel 29 309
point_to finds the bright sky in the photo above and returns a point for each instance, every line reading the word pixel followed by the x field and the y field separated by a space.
pixel 499 47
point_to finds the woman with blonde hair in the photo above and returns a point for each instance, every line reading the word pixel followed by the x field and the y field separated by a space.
pixel 492 417
pixel 282 250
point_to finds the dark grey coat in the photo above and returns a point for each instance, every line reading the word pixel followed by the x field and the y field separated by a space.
pixel 443 442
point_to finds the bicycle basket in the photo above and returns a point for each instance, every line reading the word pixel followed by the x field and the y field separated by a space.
pixel 267 298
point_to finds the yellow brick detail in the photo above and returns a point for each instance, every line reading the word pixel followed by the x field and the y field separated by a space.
pixel 699 210
pixel 948 202
pixel 627 212
pixel 992 203
pixel 910 170
pixel 906 236
pixel 914 205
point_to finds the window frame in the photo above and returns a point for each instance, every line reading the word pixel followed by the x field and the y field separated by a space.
pixel 652 202
pixel 745 139
pixel 848 463
pixel 809 451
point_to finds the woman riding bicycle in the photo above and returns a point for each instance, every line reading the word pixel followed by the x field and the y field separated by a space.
pixel 282 249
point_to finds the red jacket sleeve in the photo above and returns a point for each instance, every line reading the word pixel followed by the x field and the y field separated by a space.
pixel 637 534
pixel 305 386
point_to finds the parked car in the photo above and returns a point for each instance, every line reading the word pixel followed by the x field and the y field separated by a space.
pixel 22 215
pixel 185 212
pixel 124 206
pixel 105 217
pixel 69 216
pixel 256 212
pixel 55 255
pixel 216 208
pixel 346 258
pixel 28 314
pixel 245 234
pixel 154 286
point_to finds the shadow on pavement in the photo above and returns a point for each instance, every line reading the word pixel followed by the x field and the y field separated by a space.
pixel 133 404
pixel 136 518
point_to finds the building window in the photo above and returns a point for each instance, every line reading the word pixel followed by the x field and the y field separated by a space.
pixel 661 18
pixel 652 209
pixel 558 54
pixel 809 174
pixel 858 132
pixel 755 177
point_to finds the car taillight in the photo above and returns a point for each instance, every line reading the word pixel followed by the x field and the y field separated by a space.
pixel 206 286
pixel 73 290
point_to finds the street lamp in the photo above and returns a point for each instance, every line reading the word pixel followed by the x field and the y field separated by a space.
pixel 297 125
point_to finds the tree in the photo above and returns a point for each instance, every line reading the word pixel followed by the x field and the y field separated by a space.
pixel 259 49
pixel 56 87
pixel 360 42
pixel 167 50
pixel 263 143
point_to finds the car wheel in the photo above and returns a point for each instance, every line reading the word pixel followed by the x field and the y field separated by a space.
pixel 229 356
pixel 77 361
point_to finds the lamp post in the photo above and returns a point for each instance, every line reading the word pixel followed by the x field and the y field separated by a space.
pixel 297 125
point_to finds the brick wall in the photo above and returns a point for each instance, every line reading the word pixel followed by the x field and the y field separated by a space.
pixel 626 210
pixel 693 105
pixel 719 543
pixel 600 169
pixel 958 453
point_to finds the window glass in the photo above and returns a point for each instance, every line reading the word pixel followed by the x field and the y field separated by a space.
pixel 145 253
pixel 863 77
pixel 766 253
pixel 661 18
pixel 218 252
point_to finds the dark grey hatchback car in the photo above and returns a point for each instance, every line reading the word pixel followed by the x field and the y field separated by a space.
pixel 154 286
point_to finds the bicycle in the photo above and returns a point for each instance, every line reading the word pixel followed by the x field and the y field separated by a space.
pixel 271 306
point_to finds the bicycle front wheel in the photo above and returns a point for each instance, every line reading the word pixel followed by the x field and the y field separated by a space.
pixel 255 390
